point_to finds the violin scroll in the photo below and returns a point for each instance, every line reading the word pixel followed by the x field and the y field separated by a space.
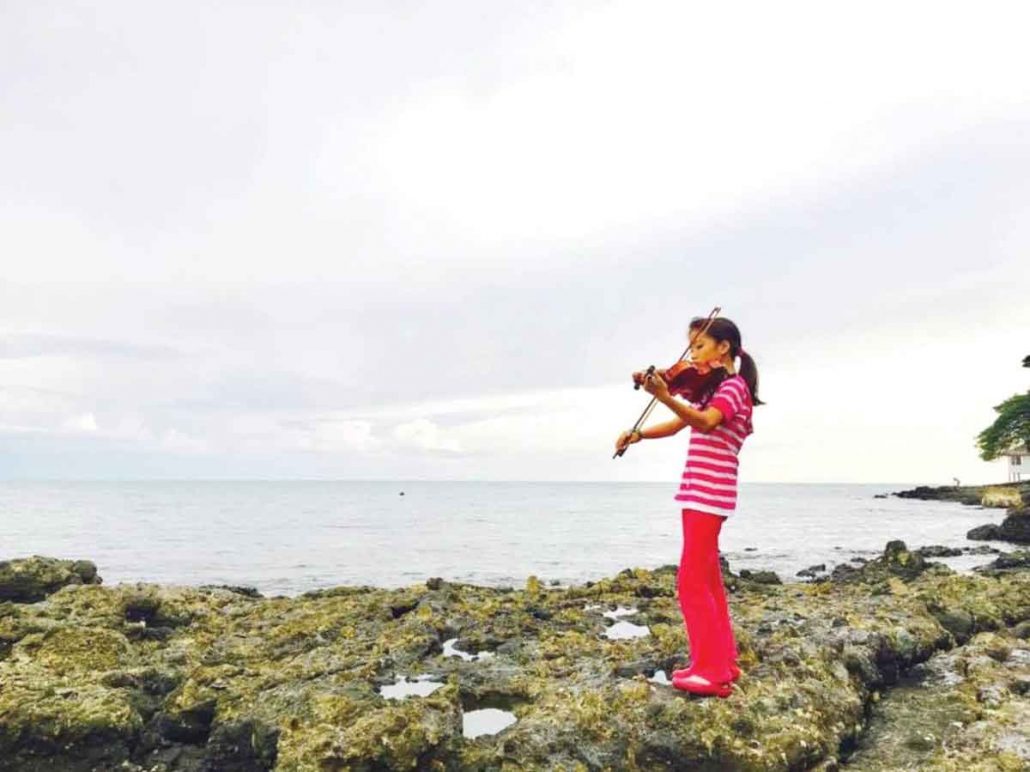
pixel 639 378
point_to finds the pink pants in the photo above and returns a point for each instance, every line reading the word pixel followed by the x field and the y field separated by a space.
pixel 702 597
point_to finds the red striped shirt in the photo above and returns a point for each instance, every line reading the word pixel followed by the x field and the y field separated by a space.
pixel 709 480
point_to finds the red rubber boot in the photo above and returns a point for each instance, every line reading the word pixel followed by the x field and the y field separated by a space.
pixel 696 684
pixel 689 671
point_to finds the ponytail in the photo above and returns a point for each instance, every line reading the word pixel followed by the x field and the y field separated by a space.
pixel 749 372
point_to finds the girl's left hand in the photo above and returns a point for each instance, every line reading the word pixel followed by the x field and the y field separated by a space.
pixel 654 384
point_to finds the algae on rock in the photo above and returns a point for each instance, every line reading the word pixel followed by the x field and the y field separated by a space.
pixel 167 677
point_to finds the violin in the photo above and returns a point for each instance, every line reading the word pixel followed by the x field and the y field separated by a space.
pixel 685 378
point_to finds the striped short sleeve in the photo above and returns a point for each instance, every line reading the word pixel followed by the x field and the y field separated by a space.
pixel 729 398
pixel 709 479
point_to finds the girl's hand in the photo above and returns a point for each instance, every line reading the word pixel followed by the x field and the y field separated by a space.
pixel 655 385
pixel 628 437
pixel 640 375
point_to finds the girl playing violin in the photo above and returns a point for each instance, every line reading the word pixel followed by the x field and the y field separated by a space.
pixel 719 414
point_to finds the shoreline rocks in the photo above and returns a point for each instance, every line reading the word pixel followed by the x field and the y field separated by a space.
pixel 957 704
pixel 160 678
pixel 27 580
pixel 1014 528
pixel 1015 497
pixel 1002 495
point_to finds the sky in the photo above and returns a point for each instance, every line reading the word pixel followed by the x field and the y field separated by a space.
pixel 365 240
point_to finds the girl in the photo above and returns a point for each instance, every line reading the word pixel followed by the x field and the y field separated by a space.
pixel 720 420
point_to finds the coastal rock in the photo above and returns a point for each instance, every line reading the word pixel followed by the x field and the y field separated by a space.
pixel 1014 528
pixel 242 683
pixel 1006 562
pixel 29 580
pixel 938 551
pixel 895 562
pixel 981 549
pixel 760 577
pixel 987 532
pixel 964 495
pixel 819 568
pixel 1002 495
pixel 999 496
pixel 250 592
pixel 954 711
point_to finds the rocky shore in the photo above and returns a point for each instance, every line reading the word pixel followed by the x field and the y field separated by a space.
pixel 898 662
pixel 999 495
pixel 1014 497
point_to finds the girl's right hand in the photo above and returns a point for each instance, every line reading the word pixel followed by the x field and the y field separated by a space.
pixel 641 375
pixel 626 438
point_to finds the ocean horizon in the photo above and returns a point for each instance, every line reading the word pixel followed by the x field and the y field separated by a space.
pixel 285 537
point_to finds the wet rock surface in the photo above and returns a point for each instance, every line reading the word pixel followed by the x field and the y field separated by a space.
pixel 27 580
pixel 149 677
pixel 1014 528
pixel 962 709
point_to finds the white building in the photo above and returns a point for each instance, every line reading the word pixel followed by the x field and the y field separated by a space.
pixel 1019 462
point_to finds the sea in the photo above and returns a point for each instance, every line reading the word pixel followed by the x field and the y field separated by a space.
pixel 288 537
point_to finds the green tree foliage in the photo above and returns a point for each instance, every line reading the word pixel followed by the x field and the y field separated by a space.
pixel 1010 428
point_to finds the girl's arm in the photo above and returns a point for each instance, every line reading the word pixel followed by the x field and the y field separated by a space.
pixel 703 420
pixel 666 429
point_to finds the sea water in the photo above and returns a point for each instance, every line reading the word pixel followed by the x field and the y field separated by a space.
pixel 287 537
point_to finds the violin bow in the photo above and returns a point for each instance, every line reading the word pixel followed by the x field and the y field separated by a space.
pixel 650 370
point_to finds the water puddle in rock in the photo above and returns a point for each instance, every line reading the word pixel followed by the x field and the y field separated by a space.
pixel 660 677
pixel 487 714
pixel 450 651
pixel 421 686
pixel 485 721
pixel 620 629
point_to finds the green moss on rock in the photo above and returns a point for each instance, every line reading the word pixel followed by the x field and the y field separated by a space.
pixel 227 679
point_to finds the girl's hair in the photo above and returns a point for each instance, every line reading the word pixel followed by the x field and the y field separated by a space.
pixel 720 330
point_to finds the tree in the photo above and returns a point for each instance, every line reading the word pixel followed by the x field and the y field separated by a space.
pixel 1010 429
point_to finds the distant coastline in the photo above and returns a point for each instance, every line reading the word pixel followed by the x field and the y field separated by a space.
pixel 996 495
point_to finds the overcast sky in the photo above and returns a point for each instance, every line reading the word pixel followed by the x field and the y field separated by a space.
pixel 433 240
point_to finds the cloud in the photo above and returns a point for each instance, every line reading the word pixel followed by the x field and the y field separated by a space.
pixel 533 134
pixel 449 268
pixel 332 436
pixel 175 441
pixel 86 422
pixel 24 345
pixel 425 435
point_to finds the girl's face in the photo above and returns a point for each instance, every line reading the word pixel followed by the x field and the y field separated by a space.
pixel 705 349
